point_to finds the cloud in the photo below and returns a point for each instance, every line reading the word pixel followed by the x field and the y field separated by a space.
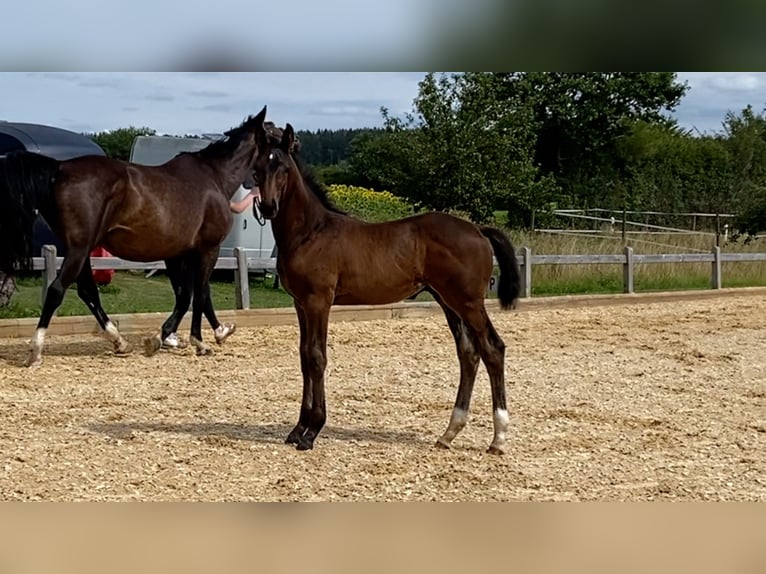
pixel 218 108
pixel 713 94
pixel 209 94
pixel 160 98
pixel 113 83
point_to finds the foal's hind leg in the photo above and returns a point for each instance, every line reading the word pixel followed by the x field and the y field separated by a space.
pixel 88 292
pixel 469 365
pixel 491 349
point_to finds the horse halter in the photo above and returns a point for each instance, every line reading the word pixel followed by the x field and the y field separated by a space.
pixel 257 214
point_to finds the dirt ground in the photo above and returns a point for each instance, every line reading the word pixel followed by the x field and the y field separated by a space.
pixel 661 401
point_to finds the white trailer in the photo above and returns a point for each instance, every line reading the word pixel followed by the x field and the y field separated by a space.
pixel 246 232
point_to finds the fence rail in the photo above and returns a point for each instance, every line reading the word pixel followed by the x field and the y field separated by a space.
pixel 242 264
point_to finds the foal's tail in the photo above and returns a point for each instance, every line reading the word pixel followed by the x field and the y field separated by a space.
pixel 509 284
pixel 26 188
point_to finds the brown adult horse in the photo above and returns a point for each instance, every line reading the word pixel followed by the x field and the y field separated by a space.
pixel 177 212
pixel 326 257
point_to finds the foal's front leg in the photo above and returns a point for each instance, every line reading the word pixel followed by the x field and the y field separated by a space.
pixel 314 320
pixel 307 400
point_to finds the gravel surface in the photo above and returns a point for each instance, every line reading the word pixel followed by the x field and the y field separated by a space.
pixel 641 402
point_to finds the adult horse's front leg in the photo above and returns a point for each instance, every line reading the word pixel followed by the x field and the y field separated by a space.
pixel 88 292
pixel 180 272
pixel 221 331
pixel 201 299
pixel 70 269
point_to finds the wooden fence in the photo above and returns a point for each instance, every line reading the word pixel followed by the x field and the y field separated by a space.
pixel 242 264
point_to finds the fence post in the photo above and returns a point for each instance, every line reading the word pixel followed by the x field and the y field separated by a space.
pixel 526 276
pixel 241 279
pixel 716 283
pixel 627 270
pixel 49 271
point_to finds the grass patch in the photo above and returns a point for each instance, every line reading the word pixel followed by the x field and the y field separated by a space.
pixel 606 278
pixel 132 292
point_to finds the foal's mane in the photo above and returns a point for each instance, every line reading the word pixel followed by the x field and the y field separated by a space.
pixel 316 187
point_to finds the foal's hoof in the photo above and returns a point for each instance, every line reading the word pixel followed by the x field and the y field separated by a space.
pixel 304 444
pixel 224 331
pixel 442 444
pixel 293 438
pixel 152 344
pixel 33 361
pixel 498 450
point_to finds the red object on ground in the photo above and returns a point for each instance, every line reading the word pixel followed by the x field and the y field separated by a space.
pixel 102 276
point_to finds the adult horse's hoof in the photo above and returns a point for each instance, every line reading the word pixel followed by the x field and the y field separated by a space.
pixel 173 341
pixel 33 361
pixel 496 450
pixel 202 348
pixel 224 331
pixel 152 344
pixel 123 348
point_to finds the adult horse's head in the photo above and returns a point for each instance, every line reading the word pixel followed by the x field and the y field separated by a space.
pixel 236 153
pixel 273 166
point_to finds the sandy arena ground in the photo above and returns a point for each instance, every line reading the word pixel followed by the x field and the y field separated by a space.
pixel 638 402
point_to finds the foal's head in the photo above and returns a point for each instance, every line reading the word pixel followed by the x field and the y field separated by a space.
pixel 273 167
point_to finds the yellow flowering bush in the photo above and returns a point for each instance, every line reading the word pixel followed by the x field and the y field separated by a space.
pixel 369 204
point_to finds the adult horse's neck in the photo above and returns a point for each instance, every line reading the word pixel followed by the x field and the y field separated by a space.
pixel 300 213
pixel 231 172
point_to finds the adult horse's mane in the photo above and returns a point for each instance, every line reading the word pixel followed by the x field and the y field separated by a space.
pixel 315 186
pixel 228 144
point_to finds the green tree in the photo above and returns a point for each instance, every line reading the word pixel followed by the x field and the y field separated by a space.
pixel 460 149
pixel 117 143
pixel 746 141
pixel 669 170
pixel 580 118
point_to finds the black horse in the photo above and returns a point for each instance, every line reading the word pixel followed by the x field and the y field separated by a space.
pixel 177 212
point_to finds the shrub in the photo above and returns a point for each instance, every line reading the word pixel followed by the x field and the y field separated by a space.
pixel 368 204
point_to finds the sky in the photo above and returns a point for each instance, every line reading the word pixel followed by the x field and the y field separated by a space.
pixel 211 102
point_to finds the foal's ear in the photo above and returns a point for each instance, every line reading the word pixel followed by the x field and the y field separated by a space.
pixel 288 139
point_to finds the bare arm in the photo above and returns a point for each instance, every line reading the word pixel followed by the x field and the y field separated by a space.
pixel 246 202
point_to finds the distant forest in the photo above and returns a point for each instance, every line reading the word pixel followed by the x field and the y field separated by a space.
pixel 330 147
